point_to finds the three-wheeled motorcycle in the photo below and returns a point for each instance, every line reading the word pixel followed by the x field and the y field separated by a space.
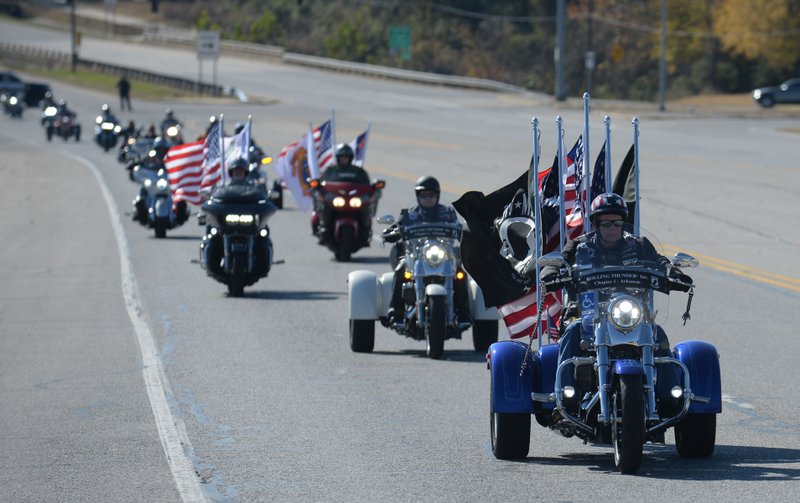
pixel 433 272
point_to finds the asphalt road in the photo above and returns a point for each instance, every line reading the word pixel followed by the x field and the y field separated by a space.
pixel 263 391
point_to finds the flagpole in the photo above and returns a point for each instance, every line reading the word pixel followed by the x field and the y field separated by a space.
pixel 224 173
pixel 247 140
pixel 562 224
pixel 607 122
pixel 533 198
pixel 636 208
pixel 333 130
pixel 585 182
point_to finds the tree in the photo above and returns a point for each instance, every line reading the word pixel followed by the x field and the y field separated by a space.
pixel 761 29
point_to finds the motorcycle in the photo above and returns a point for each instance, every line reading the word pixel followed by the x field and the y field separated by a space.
pixel 134 151
pixel 65 126
pixel 614 393
pixel 236 249
pixel 433 273
pixel 173 134
pixel 12 105
pixel 106 132
pixel 342 216
pixel 153 206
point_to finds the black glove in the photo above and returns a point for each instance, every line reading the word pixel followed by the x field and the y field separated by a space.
pixel 391 235
pixel 680 282
pixel 551 282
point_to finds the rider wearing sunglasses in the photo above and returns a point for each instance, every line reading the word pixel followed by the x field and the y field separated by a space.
pixel 609 244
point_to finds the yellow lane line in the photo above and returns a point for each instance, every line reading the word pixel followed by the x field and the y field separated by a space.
pixel 741 270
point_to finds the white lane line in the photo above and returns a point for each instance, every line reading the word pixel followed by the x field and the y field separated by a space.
pixel 171 429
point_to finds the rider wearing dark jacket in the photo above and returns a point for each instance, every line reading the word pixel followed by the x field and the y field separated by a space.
pixel 344 170
pixel 428 209
pixel 609 244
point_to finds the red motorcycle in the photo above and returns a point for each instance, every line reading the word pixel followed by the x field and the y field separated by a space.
pixel 343 214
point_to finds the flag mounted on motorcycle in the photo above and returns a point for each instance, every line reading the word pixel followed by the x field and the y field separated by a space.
pixel 359 146
pixel 295 166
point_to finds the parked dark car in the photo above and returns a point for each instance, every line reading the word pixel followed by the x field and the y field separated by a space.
pixel 788 92
pixel 34 93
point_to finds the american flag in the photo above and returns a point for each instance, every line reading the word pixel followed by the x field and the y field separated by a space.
pixel 550 199
pixel 184 165
pixel 519 316
pixel 359 146
pixel 323 144
pixel 212 163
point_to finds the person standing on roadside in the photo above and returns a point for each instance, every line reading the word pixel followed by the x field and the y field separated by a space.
pixel 124 93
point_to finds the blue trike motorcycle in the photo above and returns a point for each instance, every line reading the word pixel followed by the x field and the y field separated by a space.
pixel 614 396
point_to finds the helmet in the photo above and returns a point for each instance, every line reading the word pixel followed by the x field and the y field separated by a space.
pixel 343 150
pixel 169 113
pixel 240 163
pixel 238 127
pixel 105 108
pixel 608 204
pixel 62 102
pixel 427 183
pixel 48 95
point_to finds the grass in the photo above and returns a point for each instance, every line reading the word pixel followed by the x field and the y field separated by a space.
pixel 107 83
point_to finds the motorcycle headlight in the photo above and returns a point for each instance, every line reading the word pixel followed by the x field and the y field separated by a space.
pixel 355 202
pixel 107 126
pixel 172 131
pixel 162 184
pixel 338 202
pixel 148 183
pixel 98 120
pixel 12 100
pixel 239 219
pixel 434 254
pixel 117 129
pixel 625 312
pixel 49 111
pixel 757 94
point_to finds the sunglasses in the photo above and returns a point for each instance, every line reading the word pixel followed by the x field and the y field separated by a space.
pixel 607 224
pixel 427 195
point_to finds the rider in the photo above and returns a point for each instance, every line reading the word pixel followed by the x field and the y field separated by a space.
pixel 64 110
pixel 344 170
pixel 609 245
pixel 169 121
pixel 428 209
pixel 106 115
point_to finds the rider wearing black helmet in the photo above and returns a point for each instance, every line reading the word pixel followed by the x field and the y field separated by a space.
pixel 238 170
pixel 427 191
pixel 608 244
pixel 344 170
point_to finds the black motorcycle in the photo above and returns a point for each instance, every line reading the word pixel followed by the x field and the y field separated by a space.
pixel 12 105
pixel 236 249
pixel 106 132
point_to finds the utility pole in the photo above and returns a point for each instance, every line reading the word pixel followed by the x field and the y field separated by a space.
pixel 73 34
pixel 662 63
pixel 560 51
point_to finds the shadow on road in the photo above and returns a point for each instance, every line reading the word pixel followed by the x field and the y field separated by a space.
pixel 453 355
pixel 729 462
pixel 292 295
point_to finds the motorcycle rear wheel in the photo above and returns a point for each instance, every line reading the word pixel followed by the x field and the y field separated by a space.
pixel 362 336
pixel 695 435
pixel 435 327
pixel 628 436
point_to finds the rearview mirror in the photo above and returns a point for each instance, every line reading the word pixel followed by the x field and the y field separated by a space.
pixel 683 260
pixel 553 259
pixel 386 220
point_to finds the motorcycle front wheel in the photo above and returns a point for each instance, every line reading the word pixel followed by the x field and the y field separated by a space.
pixel 236 281
pixel 362 336
pixel 161 227
pixel 346 239
pixel 628 435
pixel 435 327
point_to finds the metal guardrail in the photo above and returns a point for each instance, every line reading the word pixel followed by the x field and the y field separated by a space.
pixel 58 59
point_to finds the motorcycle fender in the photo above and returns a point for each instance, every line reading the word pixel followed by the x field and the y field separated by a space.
pixel 628 367
pixel 163 207
pixel 546 382
pixel 477 304
pixel 363 295
pixel 702 360
pixel 511 392
pixel 434 290
pixel 345 222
